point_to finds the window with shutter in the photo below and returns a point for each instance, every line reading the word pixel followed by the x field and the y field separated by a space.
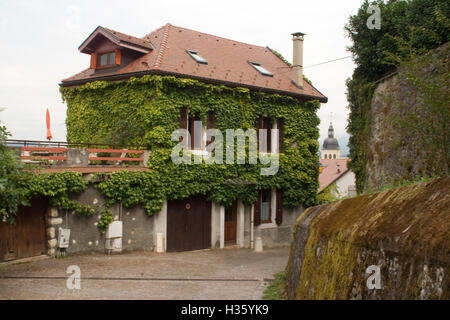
pixel 264 137
pixel 183 124
pixel 258 126
pixel 93 60
pixel 257 211
pixel 210 123
pixel 279 207
pixel 195 133
pixel 280 126
pixel 266 206
pixel 118 57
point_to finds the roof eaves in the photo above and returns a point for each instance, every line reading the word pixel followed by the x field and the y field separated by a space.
pixel 105 32
pixel 206 80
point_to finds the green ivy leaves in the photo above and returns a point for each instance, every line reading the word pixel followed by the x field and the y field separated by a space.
pixel 145 110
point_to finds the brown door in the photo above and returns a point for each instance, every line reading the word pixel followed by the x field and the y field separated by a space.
pixel 188 224
pixel 231 224
pixel 25 238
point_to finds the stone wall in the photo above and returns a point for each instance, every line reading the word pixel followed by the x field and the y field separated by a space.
pixel 405 232
pixel 138 228
pixel 397 152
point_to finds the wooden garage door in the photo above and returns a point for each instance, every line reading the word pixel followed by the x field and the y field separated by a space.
pixel 188 224
pixel 25 238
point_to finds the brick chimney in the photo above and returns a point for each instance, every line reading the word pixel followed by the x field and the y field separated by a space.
pixel 297 60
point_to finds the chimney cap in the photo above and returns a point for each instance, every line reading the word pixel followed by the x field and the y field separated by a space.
pixel 298 34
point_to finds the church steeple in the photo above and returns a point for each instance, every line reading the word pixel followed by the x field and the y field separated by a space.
pixel 330 148
pixel 331 131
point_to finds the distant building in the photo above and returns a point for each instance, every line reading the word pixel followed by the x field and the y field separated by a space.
pixel 335 169
pixel 330 148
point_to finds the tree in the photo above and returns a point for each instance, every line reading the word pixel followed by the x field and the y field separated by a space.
pixel 12 178
pixel 421 23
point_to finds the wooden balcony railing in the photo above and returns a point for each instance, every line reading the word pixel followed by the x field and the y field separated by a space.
pixel 70 154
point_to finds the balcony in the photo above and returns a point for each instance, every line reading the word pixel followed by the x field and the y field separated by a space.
pixel 80 157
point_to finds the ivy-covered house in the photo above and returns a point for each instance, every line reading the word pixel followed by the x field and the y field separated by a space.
pixel 138 91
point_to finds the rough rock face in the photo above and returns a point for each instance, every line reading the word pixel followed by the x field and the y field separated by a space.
pixel 394 154
pixel 405 232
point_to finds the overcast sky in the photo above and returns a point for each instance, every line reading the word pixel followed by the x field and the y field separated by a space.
pixel 40 42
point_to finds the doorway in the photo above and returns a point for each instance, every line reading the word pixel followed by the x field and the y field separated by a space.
pixel 231 224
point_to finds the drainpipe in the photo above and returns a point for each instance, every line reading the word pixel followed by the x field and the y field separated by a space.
pixel 252 224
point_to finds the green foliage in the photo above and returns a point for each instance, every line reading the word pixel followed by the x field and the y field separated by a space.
pixel 18 186
pixel 145 110
pixel 418 21
pixel 132 188
pixel 12 178
pixel 359 96
pixel 105 219
pixel 277 289
pixel 428 73
pixel 329 194
pixel 421 23
pixel 58 187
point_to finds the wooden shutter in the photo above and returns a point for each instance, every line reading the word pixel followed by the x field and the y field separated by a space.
pixel 258 126
pixel 210 123
pixel 280 135
pixel 257 212
pixel 118 56
pixel 191 127
pixel 183 122
pixel 93 60
pixel 268 138
pixel 279 207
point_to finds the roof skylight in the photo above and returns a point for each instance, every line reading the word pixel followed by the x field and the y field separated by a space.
pixel 197 57
pixel 261 69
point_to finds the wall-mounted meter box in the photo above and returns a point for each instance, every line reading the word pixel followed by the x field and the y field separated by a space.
pixel 63 238
pixel 113 237
pixel 114 230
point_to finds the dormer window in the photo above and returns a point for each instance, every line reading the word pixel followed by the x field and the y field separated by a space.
pixel 261 69
pixel 198 58
pixel 107 59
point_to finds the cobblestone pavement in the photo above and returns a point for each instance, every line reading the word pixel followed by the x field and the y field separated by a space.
pixel 207 274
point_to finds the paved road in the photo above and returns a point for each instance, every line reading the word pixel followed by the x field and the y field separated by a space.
pixel 208 274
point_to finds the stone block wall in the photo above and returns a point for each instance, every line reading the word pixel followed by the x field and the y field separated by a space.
pixel 403 232
pixel 138 227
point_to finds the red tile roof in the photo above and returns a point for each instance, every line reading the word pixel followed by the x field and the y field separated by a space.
pixel 227 63
pixel 130 39
pixel 333 170
pixel 118 38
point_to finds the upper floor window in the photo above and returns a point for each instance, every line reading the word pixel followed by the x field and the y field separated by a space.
pixel 197 138
pixel 106 59
pixel 270 135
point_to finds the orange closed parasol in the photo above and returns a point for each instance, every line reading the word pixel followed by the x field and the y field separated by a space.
pixel 49 133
